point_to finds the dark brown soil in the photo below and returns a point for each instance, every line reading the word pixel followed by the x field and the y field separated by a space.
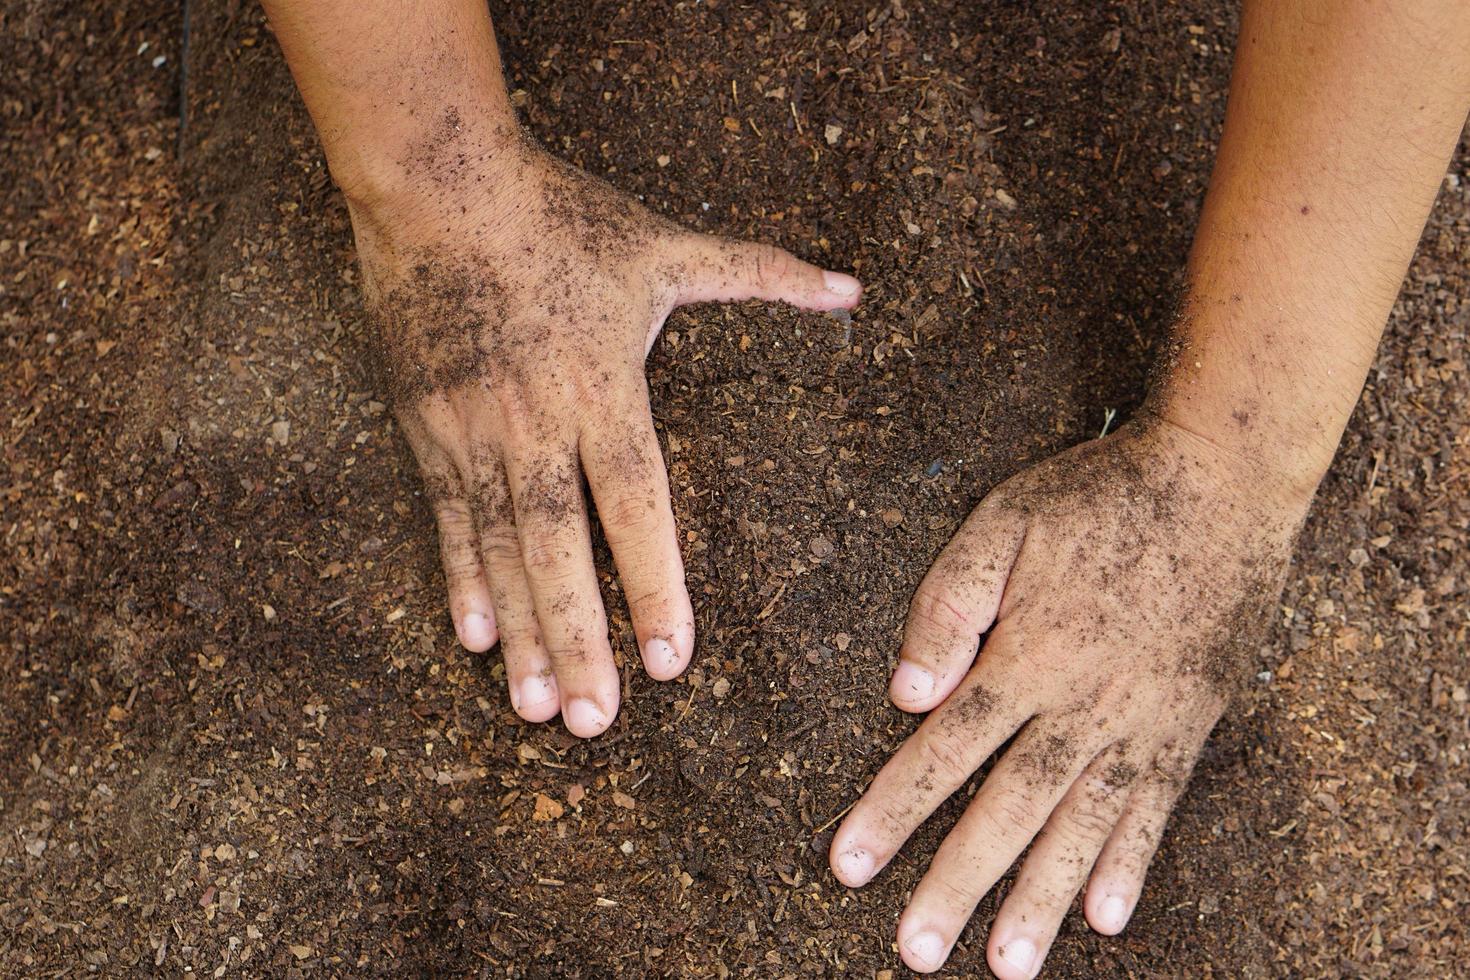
pixel 238 736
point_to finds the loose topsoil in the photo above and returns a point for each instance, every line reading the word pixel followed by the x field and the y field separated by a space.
pixel 238 736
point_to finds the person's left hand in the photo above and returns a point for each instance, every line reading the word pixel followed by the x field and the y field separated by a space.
pixel 1127 581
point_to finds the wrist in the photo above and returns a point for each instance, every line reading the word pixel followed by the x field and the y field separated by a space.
pixel 1246 453
pixel 392 173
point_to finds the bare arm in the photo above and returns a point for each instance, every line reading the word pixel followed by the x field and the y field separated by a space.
pixel 1341 122
pixel 1123 584
pixel 381 81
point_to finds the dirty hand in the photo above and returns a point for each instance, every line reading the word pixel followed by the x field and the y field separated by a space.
pixel 515 310
pixel 1125 584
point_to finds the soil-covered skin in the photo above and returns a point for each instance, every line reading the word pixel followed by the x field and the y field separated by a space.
pixel 239 735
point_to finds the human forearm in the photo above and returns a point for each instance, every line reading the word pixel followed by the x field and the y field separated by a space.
pixel 1091 620
pixel 1342 118
pixel 403 95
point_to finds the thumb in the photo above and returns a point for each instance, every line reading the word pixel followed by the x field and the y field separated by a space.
pixel 705 268
pixel 956 603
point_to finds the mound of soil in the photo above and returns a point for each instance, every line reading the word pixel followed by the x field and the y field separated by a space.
pixel 239 737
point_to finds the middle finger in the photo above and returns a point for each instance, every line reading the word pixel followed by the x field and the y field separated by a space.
pixel 1010 807
pixel 556 550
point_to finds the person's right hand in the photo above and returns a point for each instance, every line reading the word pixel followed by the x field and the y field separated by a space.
pixel 515 301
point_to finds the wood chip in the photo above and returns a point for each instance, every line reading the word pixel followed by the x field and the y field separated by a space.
pixel 547 809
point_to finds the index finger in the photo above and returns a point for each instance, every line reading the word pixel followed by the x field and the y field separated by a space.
pixel 935 761
pixel 630 486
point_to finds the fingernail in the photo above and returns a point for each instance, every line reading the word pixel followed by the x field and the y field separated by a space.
pixel 661 657
pixel 856 866
pixel 584 718
pixel 840 284
pixel 911 682
pixel 474 630
pixel 1112 914
pixel 534 691
pixel 926 950
pixel 1019 953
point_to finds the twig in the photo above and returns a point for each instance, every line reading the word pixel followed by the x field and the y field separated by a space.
pixel 835 819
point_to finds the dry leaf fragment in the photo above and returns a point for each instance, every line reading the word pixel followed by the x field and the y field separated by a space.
pixel 547 809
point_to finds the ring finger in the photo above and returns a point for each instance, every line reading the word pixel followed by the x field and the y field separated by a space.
pixel 1058 864
pixel 528 673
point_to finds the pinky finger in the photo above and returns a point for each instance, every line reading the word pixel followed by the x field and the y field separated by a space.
pixel 1117 878
pixel 469 592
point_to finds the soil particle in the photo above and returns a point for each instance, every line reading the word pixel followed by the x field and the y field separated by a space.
pixel 440 330
pixel 1120 774
pixel 973 705
pixel 1048 758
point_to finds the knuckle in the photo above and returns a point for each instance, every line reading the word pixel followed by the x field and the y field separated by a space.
pixel 896 814
pixel 779 263
pixel 654 601
pixel 1137 852
pixel 944 755
pixel 576 653
pixel 461 558
pixel 572 621
pixel 1148 838
pixel 769 264
pixel 1012 813
pixel 513 402
pixel 1087 821
pixel 1054 893
pixel 500 545
pixel 519 636
pixel 937 609
pixel 454 523
pixel 630 518
pixel 952 892
pixel 545 556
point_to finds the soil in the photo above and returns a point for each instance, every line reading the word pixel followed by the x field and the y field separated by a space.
pixel 239 736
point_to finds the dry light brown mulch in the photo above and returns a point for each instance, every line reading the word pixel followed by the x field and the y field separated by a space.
pixel 238 737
